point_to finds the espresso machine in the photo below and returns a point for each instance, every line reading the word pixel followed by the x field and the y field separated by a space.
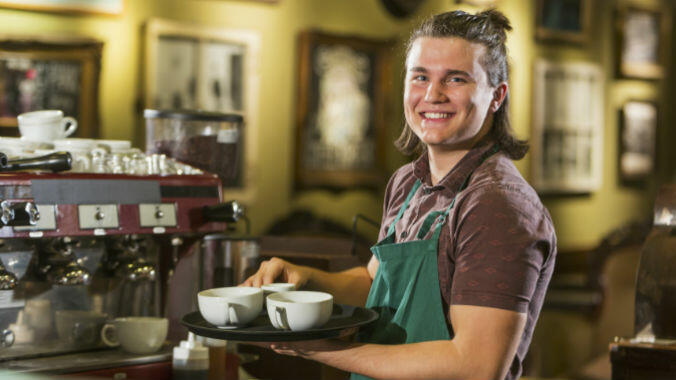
pixel 79 249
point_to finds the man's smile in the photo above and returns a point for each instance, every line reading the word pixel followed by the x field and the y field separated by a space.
pixel 436 115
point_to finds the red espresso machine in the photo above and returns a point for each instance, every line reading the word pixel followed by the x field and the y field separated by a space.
pixel 111 245
pixel 80 249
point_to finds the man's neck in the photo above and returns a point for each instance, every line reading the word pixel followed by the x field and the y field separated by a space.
pixel 441 162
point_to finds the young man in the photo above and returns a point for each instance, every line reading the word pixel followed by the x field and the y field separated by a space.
pixel 466 248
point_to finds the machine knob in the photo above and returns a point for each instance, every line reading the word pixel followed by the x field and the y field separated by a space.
pixel 159 214
pixel 19 214
pixel 6 338
pixel 99 215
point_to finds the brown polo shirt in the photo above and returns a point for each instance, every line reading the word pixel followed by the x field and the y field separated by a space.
pixel 498 246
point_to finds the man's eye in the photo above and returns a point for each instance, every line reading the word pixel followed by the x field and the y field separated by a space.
pixel 419 78
pixel 457 80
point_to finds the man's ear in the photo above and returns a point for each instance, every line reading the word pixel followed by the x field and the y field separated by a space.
pixel 499 96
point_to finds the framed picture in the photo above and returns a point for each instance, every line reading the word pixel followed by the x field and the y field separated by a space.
pixel 38 74
pixel 638 127
pixel 190 66
pixel 567 127
pixel 343 87
pixel 642 35
pixel 108 7
pixel 563 20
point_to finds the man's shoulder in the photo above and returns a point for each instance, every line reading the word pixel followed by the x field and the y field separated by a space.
pixel 499 182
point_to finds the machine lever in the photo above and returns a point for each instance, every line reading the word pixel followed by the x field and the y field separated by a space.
pixel 18 214
pixel 223 212
pixel 56 162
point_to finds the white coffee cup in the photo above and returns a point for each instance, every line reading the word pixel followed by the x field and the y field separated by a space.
pixel 80 151
pixel 276 287
pixel 46 125
pixel 230 307
pixel 299 310
pixel 138 335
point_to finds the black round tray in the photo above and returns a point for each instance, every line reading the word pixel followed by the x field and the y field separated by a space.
pixel 344 317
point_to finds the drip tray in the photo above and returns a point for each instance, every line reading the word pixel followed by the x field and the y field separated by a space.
pixel 85 361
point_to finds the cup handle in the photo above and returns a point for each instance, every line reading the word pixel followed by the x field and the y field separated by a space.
pixel 280 318
pixel 104 336
pixel 228 313
pixel 71 128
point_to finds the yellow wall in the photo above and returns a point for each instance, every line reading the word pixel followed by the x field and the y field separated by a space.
pixel 580 221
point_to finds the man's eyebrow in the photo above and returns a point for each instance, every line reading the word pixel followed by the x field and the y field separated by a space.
pixel 419 69
pixel 457 72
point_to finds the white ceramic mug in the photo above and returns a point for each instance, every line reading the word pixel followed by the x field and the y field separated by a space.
pixel 80 151
pixel 299 310
pixel 138 335
pixel 38 313
pixel 230 307
pixel 276 287
pixel 46 125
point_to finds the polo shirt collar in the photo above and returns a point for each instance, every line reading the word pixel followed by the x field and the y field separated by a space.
pixel 456 176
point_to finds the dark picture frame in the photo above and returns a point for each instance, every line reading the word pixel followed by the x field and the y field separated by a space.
pixel 343 87
pixel 642 34
pixel 46 73
pixel 637 141
pixel 563 20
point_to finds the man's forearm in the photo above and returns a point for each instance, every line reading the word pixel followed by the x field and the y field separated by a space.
pixel 349 287
pixel 425 360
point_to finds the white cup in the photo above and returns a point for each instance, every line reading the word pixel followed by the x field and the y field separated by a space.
pixel 230 307
pixel 80 151
pixel 276 287
pixel 138 335
pixel 299 310
pixel 46 125
pixel 74 144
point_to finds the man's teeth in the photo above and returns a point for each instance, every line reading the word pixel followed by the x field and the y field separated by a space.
pixel 436 115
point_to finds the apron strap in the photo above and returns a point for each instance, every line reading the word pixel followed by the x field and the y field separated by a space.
pixel 404 206
pixel 431 217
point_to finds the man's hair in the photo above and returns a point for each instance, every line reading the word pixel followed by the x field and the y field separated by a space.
pixel 488 28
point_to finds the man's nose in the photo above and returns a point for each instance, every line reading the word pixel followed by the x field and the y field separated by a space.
pixel 435 93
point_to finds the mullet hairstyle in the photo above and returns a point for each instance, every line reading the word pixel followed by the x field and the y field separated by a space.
pixel 488 28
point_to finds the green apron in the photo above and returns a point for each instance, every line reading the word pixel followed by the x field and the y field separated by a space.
pixel 405 291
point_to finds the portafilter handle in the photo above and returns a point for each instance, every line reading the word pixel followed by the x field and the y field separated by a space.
pixel 228 212
pixel 56 162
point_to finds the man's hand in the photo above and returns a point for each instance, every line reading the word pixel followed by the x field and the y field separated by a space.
pixel 271 270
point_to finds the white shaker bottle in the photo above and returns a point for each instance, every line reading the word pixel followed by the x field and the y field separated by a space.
pixel 190 360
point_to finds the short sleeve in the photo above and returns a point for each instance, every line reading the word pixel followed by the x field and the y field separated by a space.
pixel 503 239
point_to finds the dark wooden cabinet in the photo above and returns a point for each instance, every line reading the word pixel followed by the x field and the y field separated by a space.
pixel 640 361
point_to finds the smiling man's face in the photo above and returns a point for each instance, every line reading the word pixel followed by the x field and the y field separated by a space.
pixel 447 96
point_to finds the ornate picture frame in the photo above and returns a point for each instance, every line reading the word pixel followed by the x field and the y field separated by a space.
pixel 344 83
pixel 563 20
pixel 638 131
pixel 191 66
pixel 47 73
pixel 105 7
pixel 567 142
pixel 642 35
